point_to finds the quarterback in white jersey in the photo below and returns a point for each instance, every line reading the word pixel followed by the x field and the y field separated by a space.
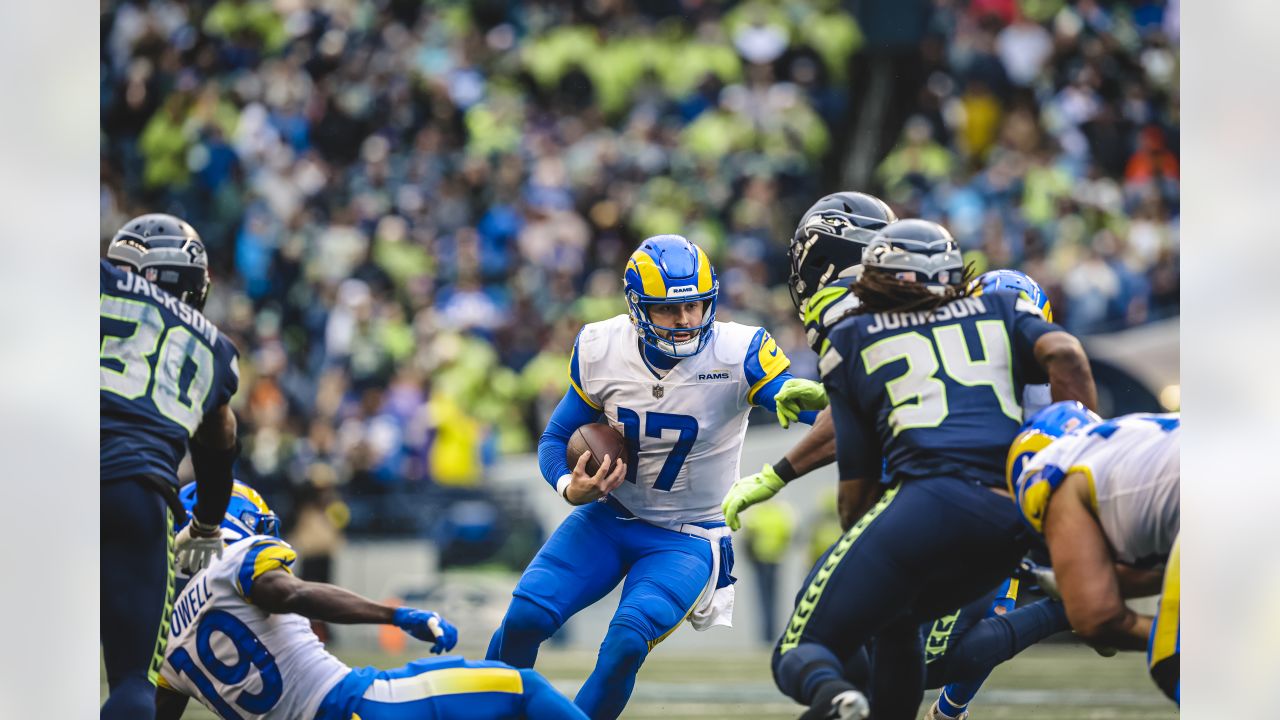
pixel 240 642
pixel 1104 495
pixel 678 385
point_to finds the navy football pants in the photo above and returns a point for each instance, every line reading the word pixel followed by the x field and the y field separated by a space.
pixel 926 548
pixel 136 586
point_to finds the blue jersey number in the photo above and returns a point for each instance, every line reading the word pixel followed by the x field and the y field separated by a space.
pixel 655 423
pixel 249 652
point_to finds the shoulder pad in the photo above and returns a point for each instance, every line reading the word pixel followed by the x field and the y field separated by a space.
pixel 593 341
pixel 730 345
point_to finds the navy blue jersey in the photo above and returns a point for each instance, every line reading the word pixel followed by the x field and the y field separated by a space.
pixel 162 367
pixel 932 394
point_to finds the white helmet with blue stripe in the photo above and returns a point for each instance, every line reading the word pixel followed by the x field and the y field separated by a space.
pixel 665 270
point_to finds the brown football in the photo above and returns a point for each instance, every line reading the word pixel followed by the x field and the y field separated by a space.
pixel 601 440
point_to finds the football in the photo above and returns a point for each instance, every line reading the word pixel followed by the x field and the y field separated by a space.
pixel 601 440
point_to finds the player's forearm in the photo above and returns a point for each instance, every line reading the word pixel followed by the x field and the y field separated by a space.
pixel 1070 377
pixel 816 449
pixel 329 603
pixel 213 456
pixel 1122 629
pixel 854 498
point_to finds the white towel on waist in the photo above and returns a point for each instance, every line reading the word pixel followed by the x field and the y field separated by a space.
pixel 715 605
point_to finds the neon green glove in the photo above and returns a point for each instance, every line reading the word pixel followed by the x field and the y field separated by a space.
pixel 748 491
pixel 796 396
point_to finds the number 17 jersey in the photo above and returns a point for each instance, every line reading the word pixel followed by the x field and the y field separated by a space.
pixel 162 366
pixel 933 394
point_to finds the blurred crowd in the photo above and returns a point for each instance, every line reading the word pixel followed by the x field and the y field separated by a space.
pixel 411 206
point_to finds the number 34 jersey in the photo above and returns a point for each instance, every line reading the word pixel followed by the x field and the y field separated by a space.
pixel 236 659
pixel 162 367
pixel 933 394
pixel 684 430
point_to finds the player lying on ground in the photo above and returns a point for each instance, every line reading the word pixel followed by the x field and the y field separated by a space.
pixel 1104 496
pixel 918 413
pixel 152 285
pixel 240 642
pixel 679 386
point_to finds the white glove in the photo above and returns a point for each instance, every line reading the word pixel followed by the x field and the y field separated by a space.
pixel 194 547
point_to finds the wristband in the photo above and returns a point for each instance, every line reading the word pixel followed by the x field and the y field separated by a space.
pixel 785 472
pixel 202 528
pixel 562 486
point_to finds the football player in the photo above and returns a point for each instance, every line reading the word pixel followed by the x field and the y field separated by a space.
pixel 678 385
pixel 924 381
pixel 166 375
pixel 1104 496
pixel 955 657
pixel 240 642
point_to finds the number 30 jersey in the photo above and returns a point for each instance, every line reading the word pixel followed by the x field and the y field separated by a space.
pixel 684 430
pixel 932 394
pixel 162 367
pixel 239 661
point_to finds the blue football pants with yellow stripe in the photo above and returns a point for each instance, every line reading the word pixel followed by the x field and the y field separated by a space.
pixel 446 688
pixel 925 548
pixel 135 592
pixel 1165 644
pixel 586 557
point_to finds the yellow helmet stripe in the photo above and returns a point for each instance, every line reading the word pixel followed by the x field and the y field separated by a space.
pixel 252 496
pixel 704 271
pixel 650 274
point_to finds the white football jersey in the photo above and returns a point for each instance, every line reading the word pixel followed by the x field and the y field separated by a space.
pixel 686 427
pixel 233 657
pixel 1134 471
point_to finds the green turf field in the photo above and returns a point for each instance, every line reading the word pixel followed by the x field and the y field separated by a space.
pixel 1047 682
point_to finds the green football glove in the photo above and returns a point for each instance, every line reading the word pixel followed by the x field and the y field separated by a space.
pixel 796 396
pixel 748 491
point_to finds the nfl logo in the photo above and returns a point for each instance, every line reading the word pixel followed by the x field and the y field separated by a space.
pixel 657 391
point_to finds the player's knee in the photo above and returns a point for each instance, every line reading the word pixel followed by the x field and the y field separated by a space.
pixel 529 621
pixel 623 651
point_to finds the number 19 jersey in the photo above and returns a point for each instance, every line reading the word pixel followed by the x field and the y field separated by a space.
pixel 162 366
pixel 237 660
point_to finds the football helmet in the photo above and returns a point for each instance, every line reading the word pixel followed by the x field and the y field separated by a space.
pixel 1020 282
pixel 1038 431
pixel 167 251
pixel 247 513
pixel 668 269
pixel 830 238
pixel 916 251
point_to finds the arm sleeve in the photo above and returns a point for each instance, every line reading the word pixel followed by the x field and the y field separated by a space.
pixel 573 412
pixel 765 361
pixel 765 397
pixel 857 447
pixel 1026 327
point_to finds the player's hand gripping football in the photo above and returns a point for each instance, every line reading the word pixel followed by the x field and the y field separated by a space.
pixel 196 546
pixel 748 491
pixel 584 488
pixel 427 626
pixel 796 396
